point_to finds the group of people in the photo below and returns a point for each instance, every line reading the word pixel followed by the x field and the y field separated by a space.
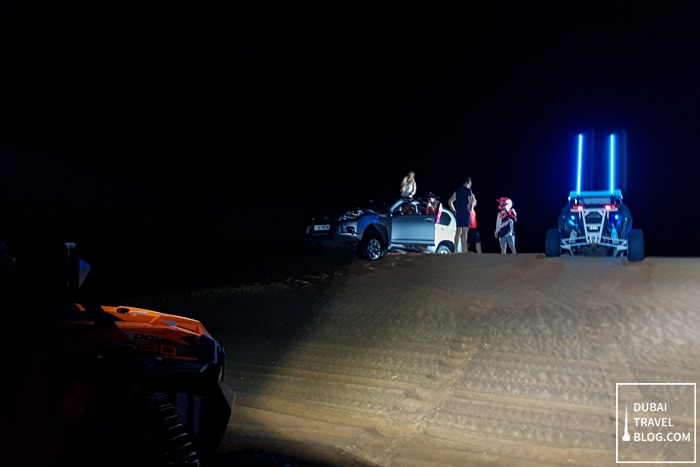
pixel 463 204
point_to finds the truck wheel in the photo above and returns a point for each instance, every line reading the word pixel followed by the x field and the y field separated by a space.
pixel 443 250
pixel 372 246
pixel 635 245
pixel 552 246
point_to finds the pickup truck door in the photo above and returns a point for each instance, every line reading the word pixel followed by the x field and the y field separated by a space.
pixel 413 229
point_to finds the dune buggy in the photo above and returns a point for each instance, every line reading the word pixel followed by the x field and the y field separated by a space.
pixel 596 223
pixel 87 384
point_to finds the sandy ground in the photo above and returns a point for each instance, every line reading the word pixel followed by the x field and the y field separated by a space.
pixel 454 360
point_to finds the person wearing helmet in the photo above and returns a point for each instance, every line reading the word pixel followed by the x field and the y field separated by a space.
pixel 505 225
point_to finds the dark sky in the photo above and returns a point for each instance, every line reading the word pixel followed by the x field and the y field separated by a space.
pixel 246 120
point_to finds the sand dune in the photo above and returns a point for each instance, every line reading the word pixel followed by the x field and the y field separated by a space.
pixel 455 360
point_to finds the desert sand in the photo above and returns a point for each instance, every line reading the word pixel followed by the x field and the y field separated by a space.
pixel 454 360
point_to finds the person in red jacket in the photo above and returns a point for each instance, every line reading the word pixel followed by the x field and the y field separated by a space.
pixel 473 237
pixel 433 204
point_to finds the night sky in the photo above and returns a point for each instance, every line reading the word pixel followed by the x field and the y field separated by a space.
pixel 244 121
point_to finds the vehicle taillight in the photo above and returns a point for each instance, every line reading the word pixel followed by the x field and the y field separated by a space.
pixel 578 207
pixel 610 207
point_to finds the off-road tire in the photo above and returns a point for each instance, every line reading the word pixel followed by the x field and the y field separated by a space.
pixel 552 246
pixel 635 245
pixel 177 446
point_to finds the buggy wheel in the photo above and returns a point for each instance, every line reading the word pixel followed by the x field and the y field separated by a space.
pixel 173 437
pixel 372 246
pixel 157 435
pixel 635 245
pixel 552 246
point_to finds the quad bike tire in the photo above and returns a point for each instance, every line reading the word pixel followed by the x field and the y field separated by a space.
pixel 552 246
pixel 635 245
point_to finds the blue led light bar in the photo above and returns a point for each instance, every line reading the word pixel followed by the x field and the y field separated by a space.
pixel 612 163
pixel 580 164
pixel 615 152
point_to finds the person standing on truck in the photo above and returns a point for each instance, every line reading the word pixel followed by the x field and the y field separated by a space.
pixel 408 185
